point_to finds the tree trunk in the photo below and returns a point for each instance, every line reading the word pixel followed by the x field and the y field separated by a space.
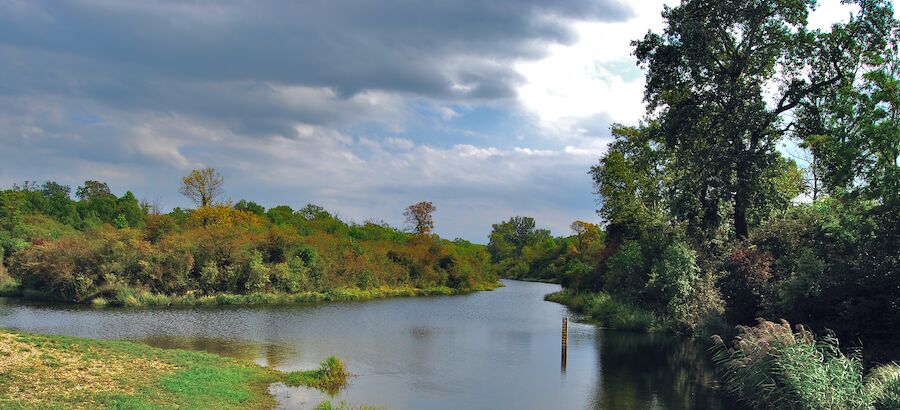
pixel 741 202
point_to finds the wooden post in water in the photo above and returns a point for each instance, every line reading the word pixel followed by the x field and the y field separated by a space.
pixel 565 345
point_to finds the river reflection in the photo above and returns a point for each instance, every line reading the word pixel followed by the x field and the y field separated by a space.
pixel 497 349
pixel 656 371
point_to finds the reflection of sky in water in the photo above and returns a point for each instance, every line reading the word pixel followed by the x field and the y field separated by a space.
pixel 484 350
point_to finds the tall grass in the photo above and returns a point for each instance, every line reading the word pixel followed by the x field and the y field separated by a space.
pixel 133 297
pixel 772 366
pixel 608 310
pixel 331 376
pixel 327 405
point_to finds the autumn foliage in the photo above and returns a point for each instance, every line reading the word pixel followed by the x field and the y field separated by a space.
pixel 219 249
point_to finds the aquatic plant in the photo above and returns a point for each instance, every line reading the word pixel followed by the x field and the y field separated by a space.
pixel 331 376
pixel 772 366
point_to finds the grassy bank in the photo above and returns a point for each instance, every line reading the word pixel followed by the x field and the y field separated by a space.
pixel 608 311
pixel 141 298
pixel 41 371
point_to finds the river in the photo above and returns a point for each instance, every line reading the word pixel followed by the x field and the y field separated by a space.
pixel 498 349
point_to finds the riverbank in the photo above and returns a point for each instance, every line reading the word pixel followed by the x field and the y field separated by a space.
pixel 46 371
pixel 609 312
pixel 130 297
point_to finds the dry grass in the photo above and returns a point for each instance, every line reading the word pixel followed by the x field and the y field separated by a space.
pixel 42 374
pixel 46 371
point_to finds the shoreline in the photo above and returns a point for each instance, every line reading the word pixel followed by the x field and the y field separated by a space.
pixel 139 298
pixel 73 372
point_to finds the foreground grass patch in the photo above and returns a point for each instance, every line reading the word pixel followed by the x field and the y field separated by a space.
pixel 38 371
pixel 608 311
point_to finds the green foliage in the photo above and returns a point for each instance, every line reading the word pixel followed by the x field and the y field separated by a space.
pixel 250 206
pixel 331 376
pixel 830 264
pixel 628 177
pixel 882 384
pixel 518 250
pixel 771 366
pixel 326 405
pixel 257 273
pixel 609 311
pixel 194 256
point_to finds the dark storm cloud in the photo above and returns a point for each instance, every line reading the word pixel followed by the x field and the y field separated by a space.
pixel 419 47
pixel 137 92
pixel 220 60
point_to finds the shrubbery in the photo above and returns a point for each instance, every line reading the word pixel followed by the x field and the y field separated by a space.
pixel 216 249
pixel 772 366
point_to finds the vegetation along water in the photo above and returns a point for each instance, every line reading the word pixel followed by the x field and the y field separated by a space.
pixel 721 269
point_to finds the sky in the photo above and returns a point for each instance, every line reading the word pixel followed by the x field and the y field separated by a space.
pixel 487 108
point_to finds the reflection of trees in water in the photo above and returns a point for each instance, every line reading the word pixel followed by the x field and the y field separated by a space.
pixel 274 354
pixel 647 371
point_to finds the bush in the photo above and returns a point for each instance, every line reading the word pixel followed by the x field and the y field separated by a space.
pixel 257 273
pixel 771 366
pixel 883 385
pixel 331 376
pixel 291 277
pixel 210 277
pixel 609 311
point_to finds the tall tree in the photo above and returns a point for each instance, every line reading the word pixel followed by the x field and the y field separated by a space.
pixel 708 74
pixel 508 238
pixel 92 190
pixel 202 186
pixel 628 177
pixel 419 216
pixel 853 132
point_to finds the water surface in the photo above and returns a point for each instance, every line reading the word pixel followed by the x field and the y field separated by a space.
pixel 498 349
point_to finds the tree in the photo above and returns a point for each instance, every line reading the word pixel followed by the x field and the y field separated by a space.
pixel 281 215
pixel 312 211
pixel 853 132
pixel 92 190
pixel 507 239
pixel 586 233
pixel 419 216
pixel 97 203
pixel 202 186
pixel 628 177
pixel 250 206
pixel 54 189
pixel 706 77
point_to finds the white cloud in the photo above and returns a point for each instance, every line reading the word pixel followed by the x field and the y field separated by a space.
pixel 595 75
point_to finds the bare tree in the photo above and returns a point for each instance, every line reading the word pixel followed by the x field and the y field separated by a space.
pixel 202 186
pixel 419 216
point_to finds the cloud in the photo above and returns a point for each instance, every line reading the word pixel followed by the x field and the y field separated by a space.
pixel 488 108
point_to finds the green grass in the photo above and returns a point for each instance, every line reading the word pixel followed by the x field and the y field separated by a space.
pixel 330 377
pixel 41 371
pixel 131 297
pixel 608 311
pixel 327 405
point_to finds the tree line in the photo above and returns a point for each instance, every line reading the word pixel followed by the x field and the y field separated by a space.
pixel 97 247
